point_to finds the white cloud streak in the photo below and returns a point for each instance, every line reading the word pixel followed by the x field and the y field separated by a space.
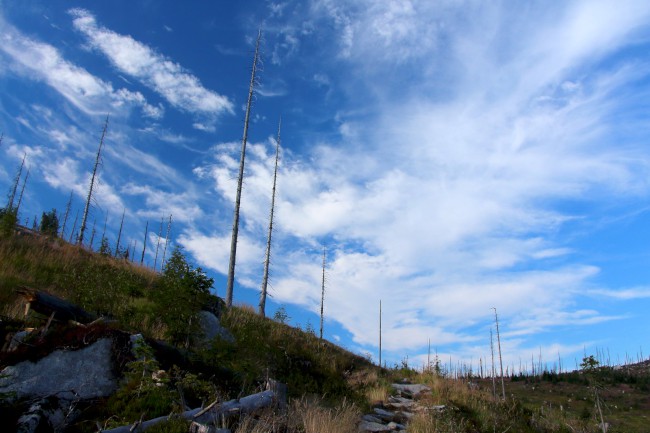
pixel 447 202
pixel 179 87
pixel 44 62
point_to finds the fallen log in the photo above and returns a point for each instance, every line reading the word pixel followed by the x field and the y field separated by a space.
pixel 276 395
pixel 46 304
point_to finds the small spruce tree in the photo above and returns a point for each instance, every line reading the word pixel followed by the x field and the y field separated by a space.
pixel 49 223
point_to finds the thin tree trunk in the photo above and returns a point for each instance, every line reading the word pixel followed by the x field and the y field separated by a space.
pixel 67 212
pixel 82 229
pixel 155 261
pixel 503 386
pixel 322 297
pixel 92 234
pixel 235 224
pixel 494 385
pixel 267 259
pixel 74 226
pixel 12 194
pixel 22 191
pixel 169 228
pixel 144 243
pixel 119 234
pixel 380 333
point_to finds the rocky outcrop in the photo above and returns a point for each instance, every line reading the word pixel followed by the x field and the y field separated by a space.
pixel 56 383
pixel 82 374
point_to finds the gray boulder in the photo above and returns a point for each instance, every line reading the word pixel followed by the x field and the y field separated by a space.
pixel 211 328
pixel 80 374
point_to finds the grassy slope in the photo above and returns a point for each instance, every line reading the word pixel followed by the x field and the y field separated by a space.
pixel 264 348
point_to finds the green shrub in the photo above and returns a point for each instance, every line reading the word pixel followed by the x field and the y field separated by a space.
pixel 181 293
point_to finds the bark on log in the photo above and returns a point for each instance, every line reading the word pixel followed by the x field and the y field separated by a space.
pixel 46 304
pixel 216 411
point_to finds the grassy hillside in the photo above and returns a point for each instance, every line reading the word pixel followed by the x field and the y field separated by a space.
pixel 329 387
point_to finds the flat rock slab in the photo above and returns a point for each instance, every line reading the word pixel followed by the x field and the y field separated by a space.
pixel 410 390
pixel 367 426
pixel 371 418
pixel 84 374
pixel 384 414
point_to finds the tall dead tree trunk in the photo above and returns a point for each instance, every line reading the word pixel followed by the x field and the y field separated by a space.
pixel 67 213
pixel 267 258
pixel 92 234
pixel 169 228
pixel 494 384
pixel 240 179
pixel 14 188
pixel 74 226
pixel 144 243
pixel 155 261
pixel 322 296
pixel 380 333
pixel 82 229
pixel 119 235
pixel 503 386
pixel 22 191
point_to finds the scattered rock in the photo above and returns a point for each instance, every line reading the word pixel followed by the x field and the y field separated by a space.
pixel 404 406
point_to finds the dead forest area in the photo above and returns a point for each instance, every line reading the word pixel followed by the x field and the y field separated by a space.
pixel 63 298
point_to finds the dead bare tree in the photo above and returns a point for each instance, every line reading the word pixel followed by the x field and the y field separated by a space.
pixel 503 386
pixel 169 228
pixel 144 243
pixel 267 259
pixel 119 235
pixel 74 226
pixel 67 213
pixel 240 179
pixel 322 295
pixel 22 190
pixel 92 234
pixel 494 385
pixel 155 261
pixel 380 333
pixel 82 229
pixel 14 188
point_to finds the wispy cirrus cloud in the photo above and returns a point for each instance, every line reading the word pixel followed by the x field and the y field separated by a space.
pixel 43 62
pixel 177 85
pixel 446 201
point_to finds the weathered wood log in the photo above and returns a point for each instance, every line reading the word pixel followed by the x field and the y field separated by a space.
pixel 46 304
pixel 216 411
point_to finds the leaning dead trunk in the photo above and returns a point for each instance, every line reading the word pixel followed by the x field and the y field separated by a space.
pixel 276 394
pixel 82 229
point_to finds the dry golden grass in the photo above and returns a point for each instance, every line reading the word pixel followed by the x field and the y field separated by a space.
pixel 377 394
pixel 314 418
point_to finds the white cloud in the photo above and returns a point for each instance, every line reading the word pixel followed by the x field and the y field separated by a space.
pixel 625 294
pixel 447 201
pixel 44 62
pixel 182 205
pixel 179 87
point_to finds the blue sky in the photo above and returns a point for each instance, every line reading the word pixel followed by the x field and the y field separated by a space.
pixel 451 156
